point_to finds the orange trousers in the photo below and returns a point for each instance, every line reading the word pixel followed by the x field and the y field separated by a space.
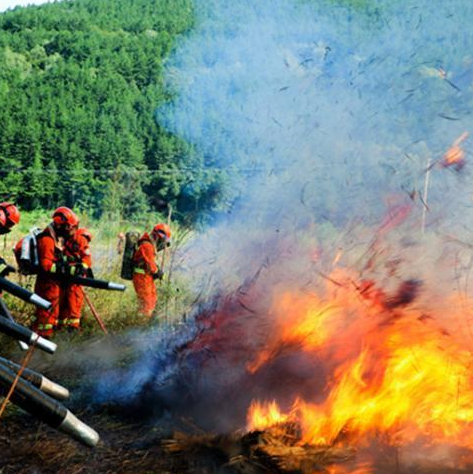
pixel 72 309
pixel 146 291
pixel 46 320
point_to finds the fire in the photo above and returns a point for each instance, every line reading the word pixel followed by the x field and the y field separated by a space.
pixel 455 156
pixel 394 370
pixel 308 327
pixel 416 390
pixel 265 415
pixel 365 468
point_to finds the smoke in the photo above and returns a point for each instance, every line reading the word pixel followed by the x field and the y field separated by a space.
pixel 321 113
pixel 331 121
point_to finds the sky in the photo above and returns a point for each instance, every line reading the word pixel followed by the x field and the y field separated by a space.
pixel 6 4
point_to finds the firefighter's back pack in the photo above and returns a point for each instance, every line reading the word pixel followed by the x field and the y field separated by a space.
pixel 131 244
pixel 26 253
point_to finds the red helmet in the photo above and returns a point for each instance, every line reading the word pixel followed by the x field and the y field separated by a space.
pixel 161 230
pixel 3 219
pixel 84 233
pixel 65 216
pixel 12 214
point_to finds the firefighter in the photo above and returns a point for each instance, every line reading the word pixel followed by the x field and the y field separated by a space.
pixel 52 266
pixel 77 250
pixel 145 269
pixel 9 217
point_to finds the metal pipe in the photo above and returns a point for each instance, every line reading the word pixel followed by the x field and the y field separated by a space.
pixel 45 408
pixel 19 332
pixel 100 284
pixel 5 312
pixel 38 380
pixel 24 294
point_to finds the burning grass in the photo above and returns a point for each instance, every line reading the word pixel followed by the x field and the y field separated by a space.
pixel 359 364
pixel 274 450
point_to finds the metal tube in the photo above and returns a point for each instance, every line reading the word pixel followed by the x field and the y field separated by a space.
pixel 45 408
pixel 38 301
pixel 19 332
pixel 5 312
pixel 54 389
pixel 38 380
pixel 79 430
pixel 44 344
pixel 116 286
pixel 23 293
pixel 100 284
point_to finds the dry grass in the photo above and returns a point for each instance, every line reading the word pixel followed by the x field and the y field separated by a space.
pixel 276 450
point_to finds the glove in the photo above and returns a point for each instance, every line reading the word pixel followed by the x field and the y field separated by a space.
pixel 5 269
pixel 162 244
pixel 158 275
pixel 60 267
pixel 77 270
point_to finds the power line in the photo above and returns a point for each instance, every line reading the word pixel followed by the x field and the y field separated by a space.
pixel 135 171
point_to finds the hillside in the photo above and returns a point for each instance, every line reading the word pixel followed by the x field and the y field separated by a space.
pixel 80 83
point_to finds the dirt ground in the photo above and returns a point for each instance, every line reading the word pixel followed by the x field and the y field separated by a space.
pixel 30 447
pixel 126 446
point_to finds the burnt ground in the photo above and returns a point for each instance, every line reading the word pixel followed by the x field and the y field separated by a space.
pixel 31 447
pixel 126 445
pixel 28 447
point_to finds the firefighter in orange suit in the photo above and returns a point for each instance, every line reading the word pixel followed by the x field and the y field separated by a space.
pixel 77 250
pixel 9 216
pixel 145 268
pixel 52 265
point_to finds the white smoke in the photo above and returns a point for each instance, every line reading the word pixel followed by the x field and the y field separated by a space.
pixel 320 112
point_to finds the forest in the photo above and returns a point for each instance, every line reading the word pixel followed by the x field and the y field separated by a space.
pixel 80 82
pixel 80 86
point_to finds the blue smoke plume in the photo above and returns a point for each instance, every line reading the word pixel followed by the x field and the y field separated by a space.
pixel 322 110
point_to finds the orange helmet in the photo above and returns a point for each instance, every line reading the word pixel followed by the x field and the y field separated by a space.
pixel 84 233
pixel 65 216
pixel 12 214
pixel 161 230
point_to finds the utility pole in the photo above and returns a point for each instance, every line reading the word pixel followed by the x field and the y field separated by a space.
pixel 426 192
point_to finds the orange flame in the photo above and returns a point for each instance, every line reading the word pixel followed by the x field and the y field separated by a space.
pixel 265 415
pixel 365 468
pixel 455 156
pixel 308 326
pixel 394 371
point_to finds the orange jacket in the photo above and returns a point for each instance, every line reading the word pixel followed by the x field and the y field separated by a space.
pixel 49 252
pixel 145 255
pixel 78 248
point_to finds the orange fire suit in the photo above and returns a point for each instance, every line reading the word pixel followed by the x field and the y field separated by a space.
pixel 144 262
pixel 48 284
pixel 77 251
